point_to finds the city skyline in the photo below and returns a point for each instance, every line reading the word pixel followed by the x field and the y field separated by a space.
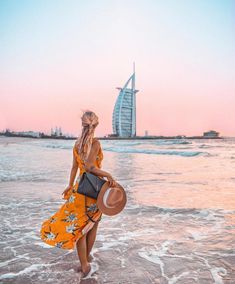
pixel 61 57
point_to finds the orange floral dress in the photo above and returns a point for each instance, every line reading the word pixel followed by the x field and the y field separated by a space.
pixel 75 217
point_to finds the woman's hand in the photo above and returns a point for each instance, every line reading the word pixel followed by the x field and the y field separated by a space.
pixel 67 189
pixel 112 182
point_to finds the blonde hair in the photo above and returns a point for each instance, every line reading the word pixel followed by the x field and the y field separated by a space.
pixel 83 143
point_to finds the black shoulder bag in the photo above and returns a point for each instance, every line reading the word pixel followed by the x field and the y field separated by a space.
pixel 90 185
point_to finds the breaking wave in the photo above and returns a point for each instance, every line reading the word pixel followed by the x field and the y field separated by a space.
pixel 156 152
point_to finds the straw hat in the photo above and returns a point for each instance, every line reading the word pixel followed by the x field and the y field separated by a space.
pixel 111 200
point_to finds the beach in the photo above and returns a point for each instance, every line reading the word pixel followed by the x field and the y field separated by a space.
pixel 178 225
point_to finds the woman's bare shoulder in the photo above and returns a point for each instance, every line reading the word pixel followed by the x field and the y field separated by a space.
pixel 96 140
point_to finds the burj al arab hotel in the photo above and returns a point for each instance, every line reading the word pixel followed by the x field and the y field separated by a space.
pixel 124 113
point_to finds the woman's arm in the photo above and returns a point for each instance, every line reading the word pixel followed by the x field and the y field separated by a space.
pixel 90 164
pixel 73 172
pixel 72 177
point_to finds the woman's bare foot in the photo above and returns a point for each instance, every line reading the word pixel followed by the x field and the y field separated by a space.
pixel 90 258
pixel 86 270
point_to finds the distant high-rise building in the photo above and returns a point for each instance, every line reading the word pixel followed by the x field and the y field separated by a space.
pixel 60 131
pixel 124 113
pixel 56 131
pixel 211 133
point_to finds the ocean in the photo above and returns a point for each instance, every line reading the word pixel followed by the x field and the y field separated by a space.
pixel 178 225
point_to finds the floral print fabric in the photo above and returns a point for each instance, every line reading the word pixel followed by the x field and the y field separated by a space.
pixel 75 217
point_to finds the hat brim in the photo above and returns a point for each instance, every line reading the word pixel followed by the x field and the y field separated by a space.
pixel 106 210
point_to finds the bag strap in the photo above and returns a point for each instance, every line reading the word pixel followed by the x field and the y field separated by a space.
pixel 89 217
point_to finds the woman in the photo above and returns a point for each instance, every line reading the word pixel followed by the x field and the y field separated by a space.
pixel 76 222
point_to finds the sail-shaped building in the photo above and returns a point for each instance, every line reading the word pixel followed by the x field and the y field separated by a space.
pixel 124 113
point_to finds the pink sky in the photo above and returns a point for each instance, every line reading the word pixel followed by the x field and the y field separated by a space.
pixel 54 65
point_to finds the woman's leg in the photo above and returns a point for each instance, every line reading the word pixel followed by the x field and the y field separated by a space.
pixel 82 253
pixel 90 240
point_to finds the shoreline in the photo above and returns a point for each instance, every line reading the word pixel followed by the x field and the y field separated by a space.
pixel 120 138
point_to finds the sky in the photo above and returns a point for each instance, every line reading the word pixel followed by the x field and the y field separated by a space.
pixel 61 57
